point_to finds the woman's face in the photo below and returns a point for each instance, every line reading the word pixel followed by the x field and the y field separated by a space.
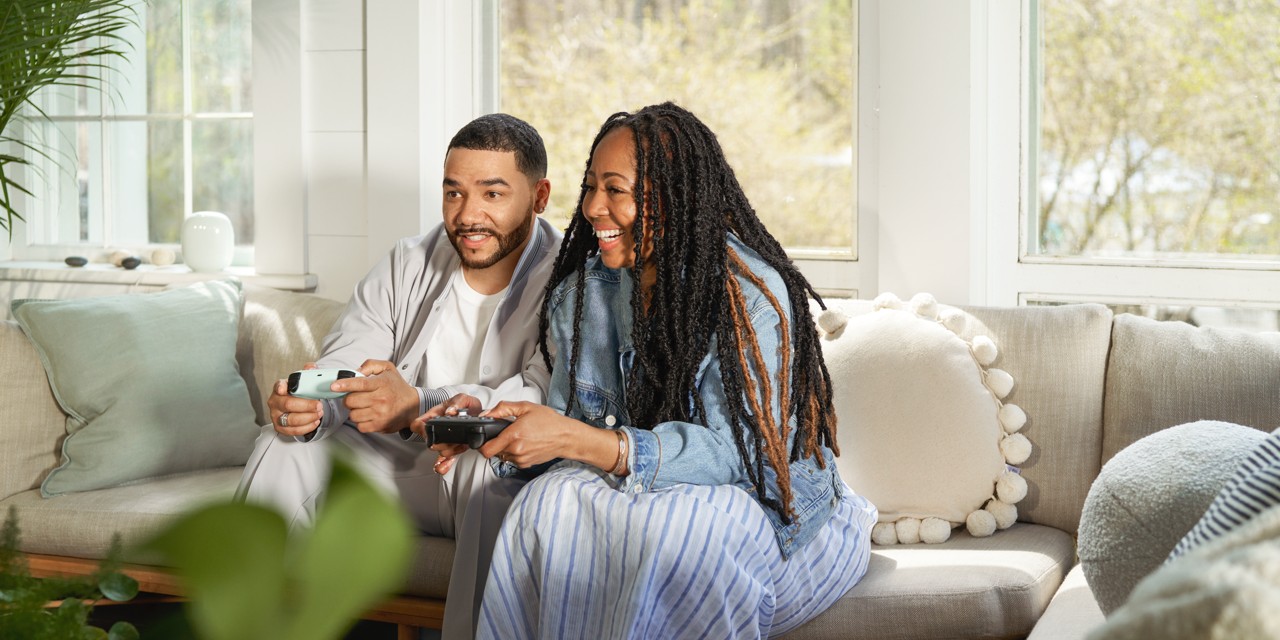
pixel 608 197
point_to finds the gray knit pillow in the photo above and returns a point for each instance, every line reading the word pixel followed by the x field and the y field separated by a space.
pixel 1148 496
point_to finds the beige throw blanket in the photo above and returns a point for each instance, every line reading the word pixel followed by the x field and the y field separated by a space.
pixel 1228 589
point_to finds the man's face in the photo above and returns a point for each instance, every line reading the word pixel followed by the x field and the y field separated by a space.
pixel 489 206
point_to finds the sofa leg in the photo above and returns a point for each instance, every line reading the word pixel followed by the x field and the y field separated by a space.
pixel 408 632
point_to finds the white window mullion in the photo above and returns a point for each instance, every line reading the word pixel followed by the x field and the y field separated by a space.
pixel 1005 105
pixel 187 110
pixel 100 196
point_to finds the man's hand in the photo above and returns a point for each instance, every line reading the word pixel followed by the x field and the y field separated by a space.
pixel 293 416
pixel 450 407
pixel 380 402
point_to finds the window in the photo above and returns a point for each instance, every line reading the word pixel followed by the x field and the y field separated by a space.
pixel 1157 129
pixel 775 79
pixel 172 135
pixel 1146 152
pixel 1157 133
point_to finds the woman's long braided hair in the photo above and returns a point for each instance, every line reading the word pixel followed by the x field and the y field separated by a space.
pixel 687 192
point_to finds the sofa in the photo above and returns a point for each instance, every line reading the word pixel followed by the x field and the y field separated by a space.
pixel 1090 382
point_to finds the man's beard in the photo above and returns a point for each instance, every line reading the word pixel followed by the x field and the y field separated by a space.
pixel 506 242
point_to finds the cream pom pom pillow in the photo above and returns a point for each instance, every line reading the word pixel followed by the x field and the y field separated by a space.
pixel 922 430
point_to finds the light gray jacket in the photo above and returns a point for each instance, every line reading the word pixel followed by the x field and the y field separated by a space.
pixel 390 317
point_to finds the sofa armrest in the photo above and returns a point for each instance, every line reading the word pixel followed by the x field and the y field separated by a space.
pixel 31 423
pixel 1072 613
pixel 279 332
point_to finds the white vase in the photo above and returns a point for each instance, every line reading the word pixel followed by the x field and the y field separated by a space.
pixel 208 241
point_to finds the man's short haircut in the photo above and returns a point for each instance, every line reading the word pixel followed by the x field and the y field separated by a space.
pixel 502 132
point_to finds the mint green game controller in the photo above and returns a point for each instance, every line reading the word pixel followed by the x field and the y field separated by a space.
pixel 315 383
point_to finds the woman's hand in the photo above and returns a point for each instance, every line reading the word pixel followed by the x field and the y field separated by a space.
pixel 450 407
pixel 540 434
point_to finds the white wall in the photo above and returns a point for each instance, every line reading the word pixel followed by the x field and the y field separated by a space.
pixel 381 105
pixel 337 224
pixel 924 149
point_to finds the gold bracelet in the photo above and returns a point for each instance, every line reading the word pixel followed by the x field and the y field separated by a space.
pixel 621 464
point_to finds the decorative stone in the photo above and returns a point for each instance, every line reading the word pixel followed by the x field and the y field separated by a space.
pixel 76 261
pixel 131 262
pixel 118 256
pixel 163 257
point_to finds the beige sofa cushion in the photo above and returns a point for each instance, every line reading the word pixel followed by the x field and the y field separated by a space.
pixel 280 332
pixel 1169 373
pixel 81 524
pixel 1058 356
pixel 965 587
pixel 432 564
pixel 31 424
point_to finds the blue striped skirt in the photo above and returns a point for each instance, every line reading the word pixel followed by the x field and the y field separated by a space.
pixel 578 559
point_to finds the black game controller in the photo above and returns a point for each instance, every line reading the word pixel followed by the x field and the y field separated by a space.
pixel 464 429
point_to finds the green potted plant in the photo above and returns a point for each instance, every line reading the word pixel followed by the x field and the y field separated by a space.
pixel 47 43
pixel 57 607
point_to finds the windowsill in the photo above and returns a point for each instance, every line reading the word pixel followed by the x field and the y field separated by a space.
pixel 146 275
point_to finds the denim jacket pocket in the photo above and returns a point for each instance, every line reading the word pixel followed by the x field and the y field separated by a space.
pixel 596 405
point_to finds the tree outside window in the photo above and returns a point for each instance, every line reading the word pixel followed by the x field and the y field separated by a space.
pixel 775 79
pixel 1159 130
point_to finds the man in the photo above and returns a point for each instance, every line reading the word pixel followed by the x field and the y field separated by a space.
pixel 449 313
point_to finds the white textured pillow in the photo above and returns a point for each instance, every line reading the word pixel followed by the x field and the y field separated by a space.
pixel 922 430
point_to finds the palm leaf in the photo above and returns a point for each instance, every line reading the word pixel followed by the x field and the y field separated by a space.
pixel 47 43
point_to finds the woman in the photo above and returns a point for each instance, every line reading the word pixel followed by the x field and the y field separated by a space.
pixel 686 481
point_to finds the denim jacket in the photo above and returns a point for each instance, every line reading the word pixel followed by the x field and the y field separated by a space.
pixel 679 452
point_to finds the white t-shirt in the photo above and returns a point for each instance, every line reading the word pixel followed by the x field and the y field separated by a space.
pixel 453 355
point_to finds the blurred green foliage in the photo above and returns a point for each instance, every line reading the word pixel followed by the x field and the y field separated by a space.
pixel 249 578
pixel 27 604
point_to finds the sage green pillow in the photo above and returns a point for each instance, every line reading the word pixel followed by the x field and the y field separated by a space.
pixel 149 383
